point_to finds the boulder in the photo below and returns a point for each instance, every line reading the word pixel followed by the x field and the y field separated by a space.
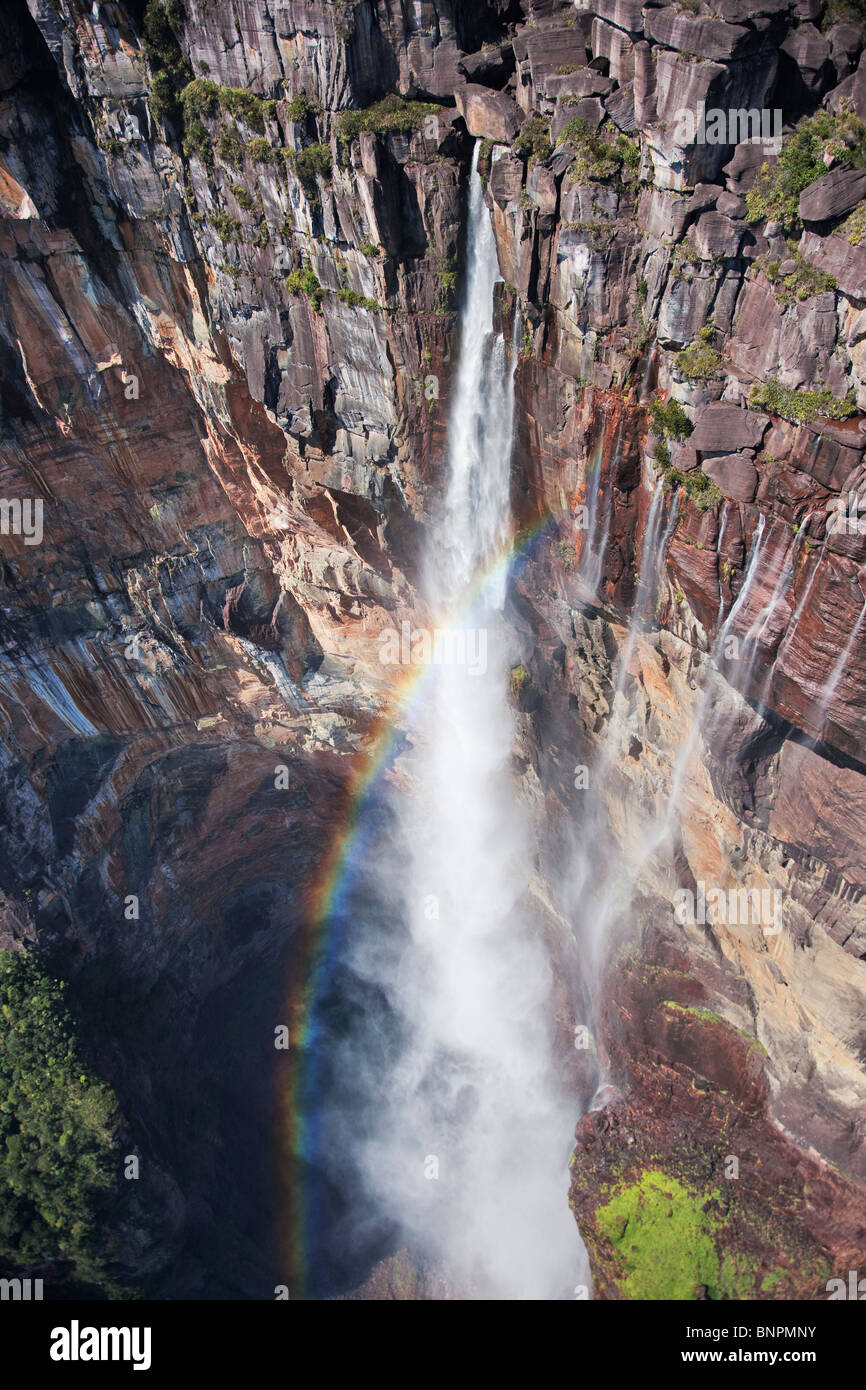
pixel 833 194
pixel 846 41
pixel 743 167
pixel 731 205
pixel 488 115
pixel 589 109
pixel 491 67
pixel 722 426
pixel 735 474
pixel 714 234
pixel 807 71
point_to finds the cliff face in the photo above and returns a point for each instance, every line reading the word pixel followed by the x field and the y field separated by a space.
pixel 226 329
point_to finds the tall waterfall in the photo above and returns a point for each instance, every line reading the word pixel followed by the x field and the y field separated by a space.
pixel 472 1138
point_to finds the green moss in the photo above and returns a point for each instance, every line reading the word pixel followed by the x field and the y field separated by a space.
pixel 801 406
pixel 854 226
pixel 300 108
pixel 308 164
pixel 519 679
pixel 663 1238
pixel 161 22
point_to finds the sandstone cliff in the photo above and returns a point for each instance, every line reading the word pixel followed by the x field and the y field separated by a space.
pixel 230 254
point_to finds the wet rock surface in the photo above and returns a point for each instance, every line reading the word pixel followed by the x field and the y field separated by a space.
pixel 226 334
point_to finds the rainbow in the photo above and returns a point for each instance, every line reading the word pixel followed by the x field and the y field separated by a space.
pixel 322 936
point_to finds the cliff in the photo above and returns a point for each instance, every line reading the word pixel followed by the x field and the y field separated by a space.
pixel 230 256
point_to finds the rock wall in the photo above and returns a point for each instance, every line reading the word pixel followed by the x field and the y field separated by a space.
pixel 226 328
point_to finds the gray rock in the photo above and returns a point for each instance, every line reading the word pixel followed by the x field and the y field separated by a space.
pixel 491 66
pixel 706 38
pixel 614 45
pixel 846 41
pixel 832 195
pixel 808 69
pixel 625 14
pixel 588 109
pixel 735 474
pixel 506 180
pixel 837 257
pixel 488 115
pixel 722 426
pixel 716 235
pixel 731 205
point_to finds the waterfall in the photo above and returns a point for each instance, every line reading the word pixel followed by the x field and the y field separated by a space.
pixel 472 1135
pixel 833 680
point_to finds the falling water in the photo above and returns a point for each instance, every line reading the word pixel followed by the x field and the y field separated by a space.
pixel 841 665
pixel 472 1135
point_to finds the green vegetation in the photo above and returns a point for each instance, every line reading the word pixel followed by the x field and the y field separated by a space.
pixel 300 108
pixel 519 679
pixel 669 419
pixel 700 360
pixel 597 159
pixel 358 301
pixel 800 283
pixel 231 147
pixel 391 113
pixel 262 151
pixel 664 1235
pixel 161 23
pixel 369 248
pixel 845 12
pixel 854 226
pixel 306 282
pixel 776 193
pixel 57 1123
pixel 229 228
pixel 533 140
pixel 801 406
pixel 243 199
pixel 308 163
pixel 202 100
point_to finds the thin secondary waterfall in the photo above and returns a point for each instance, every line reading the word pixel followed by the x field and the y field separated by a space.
pixel 473 1136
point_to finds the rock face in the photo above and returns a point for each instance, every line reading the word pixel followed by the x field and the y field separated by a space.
pixel 226 334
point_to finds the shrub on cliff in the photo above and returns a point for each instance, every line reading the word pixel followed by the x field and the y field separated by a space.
pixel 801 406
pixel 700 360
pixel 599 160
pixel 306 282
pixel 391 113
pixel 533 140
pixel 161 22
pixel 776 194
pixel 56 1127
pixel 669 419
